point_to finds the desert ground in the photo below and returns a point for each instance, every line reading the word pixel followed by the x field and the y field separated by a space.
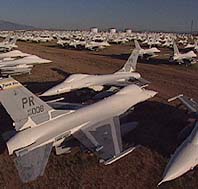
pixel 160 122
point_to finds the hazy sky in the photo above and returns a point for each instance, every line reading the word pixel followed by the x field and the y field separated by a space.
pixel 82 14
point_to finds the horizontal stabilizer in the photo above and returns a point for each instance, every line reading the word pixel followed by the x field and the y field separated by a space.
pixel 140 82
pixel 32 164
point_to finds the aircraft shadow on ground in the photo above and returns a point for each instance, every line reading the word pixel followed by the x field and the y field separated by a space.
pixel 5 125
pixel 67 47
pixel 125 56
pixel 159 127
pixel 61 72
pixel 55 46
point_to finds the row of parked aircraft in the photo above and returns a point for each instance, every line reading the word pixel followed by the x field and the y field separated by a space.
pixel 35 121
pixel 100 40
pixel 10 64
pixel 41 125
pixel 15 62
pixel 8 44
pixel 182 58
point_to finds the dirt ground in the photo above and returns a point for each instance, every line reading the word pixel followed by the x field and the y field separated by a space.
pixel 159 122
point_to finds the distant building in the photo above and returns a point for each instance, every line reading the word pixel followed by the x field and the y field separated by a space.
pixel 112 30
pixel 94 30
pixel 128 31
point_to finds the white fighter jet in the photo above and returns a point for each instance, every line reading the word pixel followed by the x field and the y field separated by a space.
pixel 8 45
pixel 13 54
pixel 190 46
pixel 147 53
pixel 185 157
pixel 40 127
pixel 188 57
pixel 92 45
pixel 97 82
pixel 22 65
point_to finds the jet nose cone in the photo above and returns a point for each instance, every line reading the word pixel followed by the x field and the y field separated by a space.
pixel 184 159
pixel 46 61
pixel 136 75
pixel 157 50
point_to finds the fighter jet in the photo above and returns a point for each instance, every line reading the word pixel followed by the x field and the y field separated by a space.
pixel 147 53
pixel 39 127
pixel 188 58
pixel 97 82
pixel 92 45
pixel 13 54
pixel 190 46
pixel 185 157
pixel 22 65
pixel 8 45
pixel 16 70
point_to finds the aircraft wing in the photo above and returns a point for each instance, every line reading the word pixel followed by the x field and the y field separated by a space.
pixel 32 164
pixel 104 138
pixel 140 82
pixel 115 87
pixel 191 104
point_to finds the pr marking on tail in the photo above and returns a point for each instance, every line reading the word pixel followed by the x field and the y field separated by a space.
pixel 28 101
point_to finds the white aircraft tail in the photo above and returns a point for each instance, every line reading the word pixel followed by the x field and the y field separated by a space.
pixel 13 41
pixel 137 45
pixel 26 109
pixel 176 50
pixel 130 65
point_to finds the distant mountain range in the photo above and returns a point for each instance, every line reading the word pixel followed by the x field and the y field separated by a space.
pixel 5 25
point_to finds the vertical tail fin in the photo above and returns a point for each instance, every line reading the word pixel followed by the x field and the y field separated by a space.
pixel 58 38
pixel 25 108
pixel 137 45
pixel 131 63
pixel 13 41
pixel 176 50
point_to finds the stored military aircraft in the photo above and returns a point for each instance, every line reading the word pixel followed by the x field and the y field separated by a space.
pixel 8 45
pixel 21 66
pixel 147 53
pixel 185 157
pixel 97 82
pixel 40 127
pixel 188 57
pixel 13 54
